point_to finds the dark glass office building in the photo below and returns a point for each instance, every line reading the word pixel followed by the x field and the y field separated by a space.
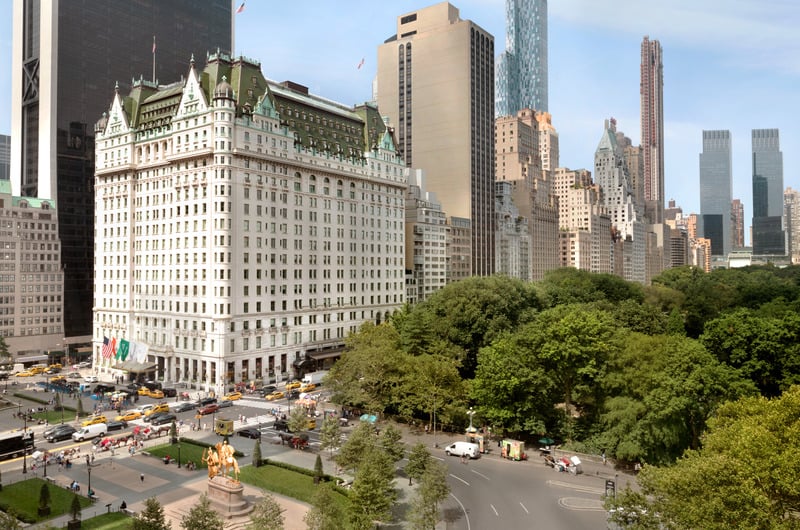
pixel 768 232
pixel 67 58
pixel 716 191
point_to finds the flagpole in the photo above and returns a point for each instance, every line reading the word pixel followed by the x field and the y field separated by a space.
pixel 154 59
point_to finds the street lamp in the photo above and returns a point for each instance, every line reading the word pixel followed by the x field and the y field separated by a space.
pixel 179 453
pixel 45 464
pixel 470 413
pixel 89 470
pixel 24 432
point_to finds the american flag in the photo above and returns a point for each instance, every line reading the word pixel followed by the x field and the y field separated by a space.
pixel 106 348
pixel 240 9
pixel 154 44
pixel 360 64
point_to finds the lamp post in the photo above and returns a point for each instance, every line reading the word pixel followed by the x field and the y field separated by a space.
pixel 45 464
pixel 470 413
pixel 24 449
pixel 89 470
pixel 179 453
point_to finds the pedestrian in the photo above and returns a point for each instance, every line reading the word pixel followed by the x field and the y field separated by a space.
pixel 123 506
pixel 141 477
pixel 603 456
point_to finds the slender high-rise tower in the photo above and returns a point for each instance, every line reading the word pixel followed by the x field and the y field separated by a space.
pixel 716 191
pixel 66 58
pixel 768 233
pixel 435 83
pixel 521 70
pixel 652 121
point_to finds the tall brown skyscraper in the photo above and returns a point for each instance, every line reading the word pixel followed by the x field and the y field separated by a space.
pixel 652 118
pixel 737 218
pixel 447 127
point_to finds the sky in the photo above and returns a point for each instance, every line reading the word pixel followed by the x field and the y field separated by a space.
pixel 728 64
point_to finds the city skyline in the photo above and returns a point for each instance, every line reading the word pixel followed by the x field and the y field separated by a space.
pixel 726 66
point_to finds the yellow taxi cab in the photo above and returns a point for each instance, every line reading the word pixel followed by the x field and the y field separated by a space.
pixel 94 420
pixel 156 394
pixel 293 385
pixel 129 416
pixel 161 407
pixel 308 387
pixel 26 373
pixel 36 370
pixel 311 424
pixel 143 391
pixel 232 396
pixel 275 395
pixel 58 379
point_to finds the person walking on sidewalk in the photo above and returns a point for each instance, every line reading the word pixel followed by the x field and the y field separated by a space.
pixel 141 477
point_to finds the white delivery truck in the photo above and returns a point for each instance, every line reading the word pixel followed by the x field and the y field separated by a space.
pixel 315 377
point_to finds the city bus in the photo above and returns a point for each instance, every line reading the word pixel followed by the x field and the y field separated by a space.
pixel 14 444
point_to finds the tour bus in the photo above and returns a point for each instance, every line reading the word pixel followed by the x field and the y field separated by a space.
pixel 15 444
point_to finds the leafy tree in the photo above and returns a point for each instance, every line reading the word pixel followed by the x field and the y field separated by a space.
pixel 318 472
pixel 372 494
pixel 75 507
pixel 79 408
pixel 5 354
pixel 173 432
pixel 430 381
pixel 330 435
pixel 745 472
pixel 8 521
pixel 202 517
pixel 630 509
pixel 267 515
pixel 418 461
pixel 257 454
pixel 44 500
pixel 325 512
pixel 512 390
pixel 663 391
pixel 370 369
pixel 432 491
pixel 298 420
pixel 360 442
pixel 391 442
pixel 636 316
pixel 151 518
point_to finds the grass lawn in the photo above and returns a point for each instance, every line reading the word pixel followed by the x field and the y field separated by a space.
pixel 107 521
pixel 188 452
pixel 54 417
pixel 24 498
pixel 285 482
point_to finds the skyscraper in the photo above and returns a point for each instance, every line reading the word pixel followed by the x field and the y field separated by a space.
pixel 768 233
pixel 737 220
pixel 521 70
pixel 716 191
pixel 651 90
pixel 5 156
pixel 447 127
pixel 66 59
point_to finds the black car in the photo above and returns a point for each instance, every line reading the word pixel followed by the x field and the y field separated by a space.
pixel 102 389
pixel 169 392
pixel 250 432
pixel 225 403
pixel 281 425
pixel 206 401
pixel 185 406
pixel 132 386
pixel 153 418
pixel 61 432
pixel 268 389
pixel 114 425
pixel 163 419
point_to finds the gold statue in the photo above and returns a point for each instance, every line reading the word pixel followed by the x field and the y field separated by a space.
pixel 221 461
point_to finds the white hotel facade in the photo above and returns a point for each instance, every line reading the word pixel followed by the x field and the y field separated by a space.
pixel 243 228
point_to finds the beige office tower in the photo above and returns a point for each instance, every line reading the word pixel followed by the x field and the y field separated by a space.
pixel 435 82
pixel 548 142
pixel 791 221
pixel 518 162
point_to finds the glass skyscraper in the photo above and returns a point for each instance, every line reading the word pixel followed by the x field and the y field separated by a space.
pixel 67 58
pixel 768 233
pixel 716 191
pixel 521 70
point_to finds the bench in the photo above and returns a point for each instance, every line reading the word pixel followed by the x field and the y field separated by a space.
pixel 129 512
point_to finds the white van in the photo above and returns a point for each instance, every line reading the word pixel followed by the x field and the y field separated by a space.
pixel 90 431
pixel 467 449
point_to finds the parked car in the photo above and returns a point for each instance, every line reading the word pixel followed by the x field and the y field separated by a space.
pixel 250 432
pixel 117 425
pixel 225 403
pixel 185 406
pixel 90 379
pixel 59 432
pixel 208 409
pixel 163 419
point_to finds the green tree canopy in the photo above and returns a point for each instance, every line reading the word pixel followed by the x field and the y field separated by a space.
pixel 151 518
pixel 202 516
pixel 325 512
pixel 267 515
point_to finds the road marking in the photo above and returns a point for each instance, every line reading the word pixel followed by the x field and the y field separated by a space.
pixel 480 474
pixel 494 510
pixel 459 478
pixel 466 516
pixel 577 487
pixel 524 508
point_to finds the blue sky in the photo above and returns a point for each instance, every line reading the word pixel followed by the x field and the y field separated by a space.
pixel 728 64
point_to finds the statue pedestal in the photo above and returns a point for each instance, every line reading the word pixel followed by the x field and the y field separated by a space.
pixel 226 496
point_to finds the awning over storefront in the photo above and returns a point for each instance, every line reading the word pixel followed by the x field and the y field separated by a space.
pixel 326 354
pixel 135 367
pixel 30 359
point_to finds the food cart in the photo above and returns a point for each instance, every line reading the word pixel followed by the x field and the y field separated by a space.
pixel 476 438
pixel 513 450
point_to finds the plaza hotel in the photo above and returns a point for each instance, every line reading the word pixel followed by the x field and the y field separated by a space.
pixel 243 228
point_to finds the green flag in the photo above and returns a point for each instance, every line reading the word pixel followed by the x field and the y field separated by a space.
pixel 123 349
